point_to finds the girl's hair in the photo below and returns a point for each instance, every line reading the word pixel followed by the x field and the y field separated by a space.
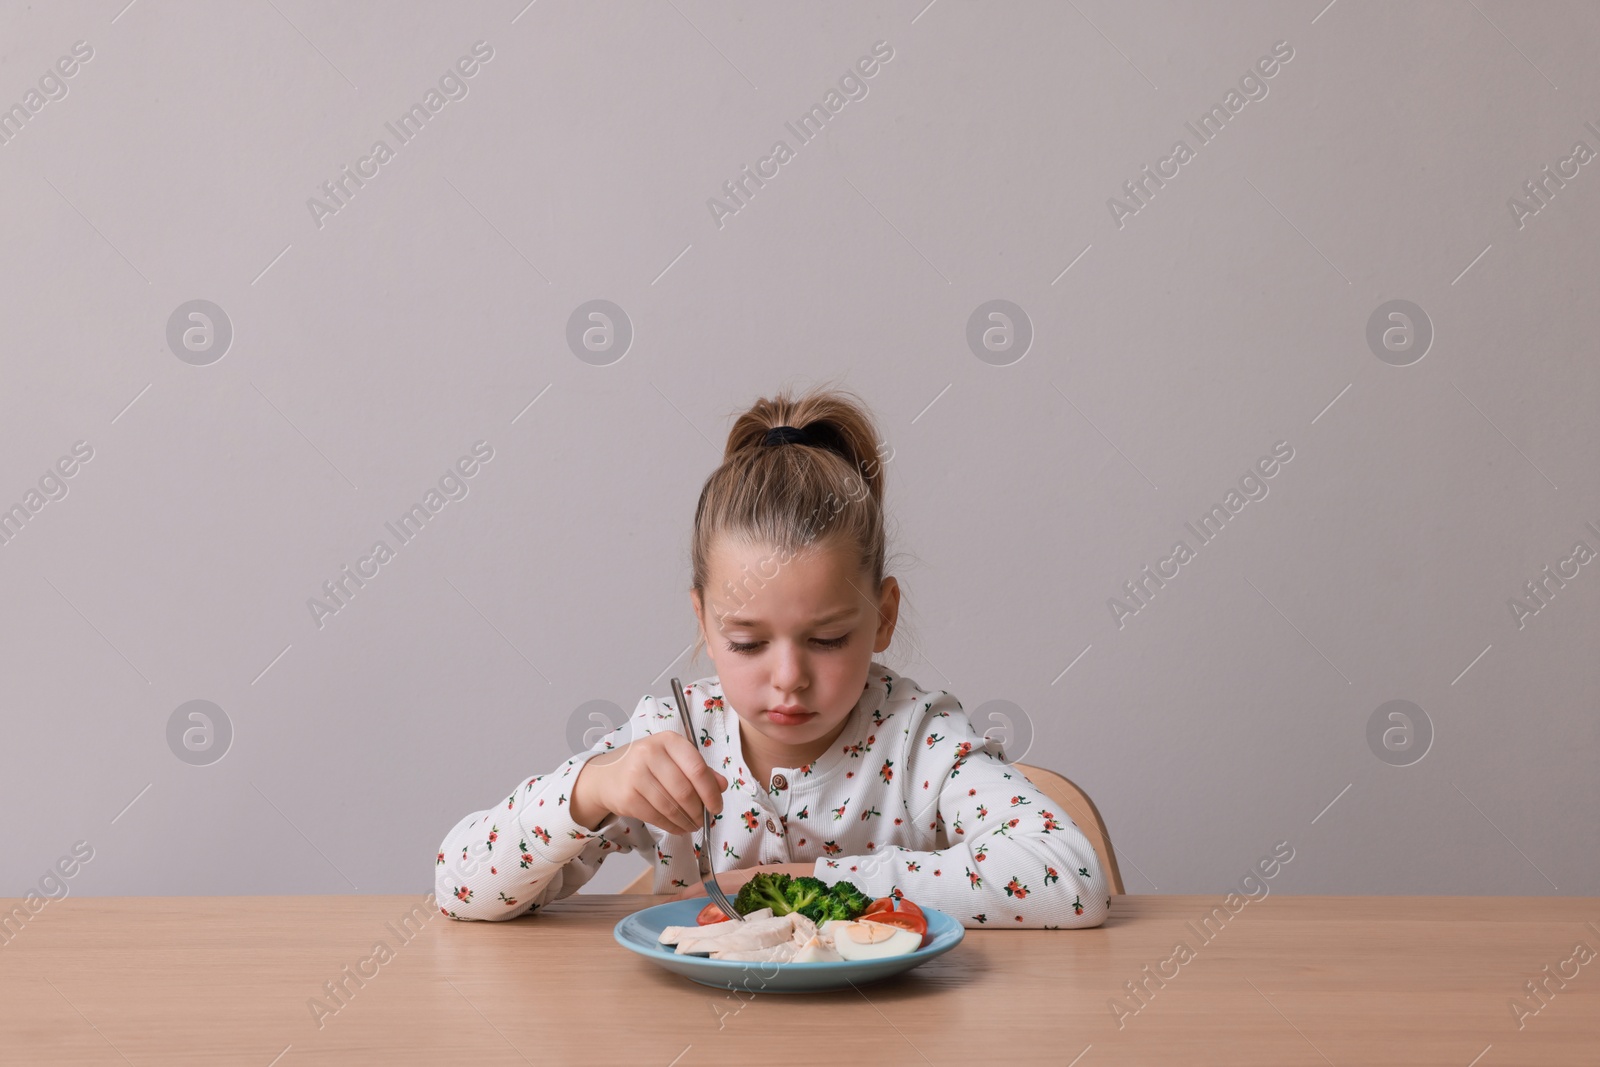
pixel 793 496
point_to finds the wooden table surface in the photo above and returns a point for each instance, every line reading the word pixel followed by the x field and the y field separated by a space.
pixel 1287 980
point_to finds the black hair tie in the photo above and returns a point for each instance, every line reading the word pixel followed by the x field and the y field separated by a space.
pixel 783 435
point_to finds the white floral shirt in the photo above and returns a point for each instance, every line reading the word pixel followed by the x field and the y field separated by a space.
pixel 910 801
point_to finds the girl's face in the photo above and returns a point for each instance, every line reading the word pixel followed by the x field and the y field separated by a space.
pixel 802 638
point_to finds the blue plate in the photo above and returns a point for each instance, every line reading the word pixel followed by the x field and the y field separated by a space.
pixel 640 931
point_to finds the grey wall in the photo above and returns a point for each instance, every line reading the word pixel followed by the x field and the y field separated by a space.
pixel 1174 342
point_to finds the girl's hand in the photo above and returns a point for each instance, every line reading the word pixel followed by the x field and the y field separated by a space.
pixel 659 779
pixel 730 881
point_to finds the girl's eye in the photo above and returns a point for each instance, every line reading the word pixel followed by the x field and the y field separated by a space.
pixel 748 647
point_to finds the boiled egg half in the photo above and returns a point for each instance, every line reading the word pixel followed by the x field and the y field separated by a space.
pixel 873 941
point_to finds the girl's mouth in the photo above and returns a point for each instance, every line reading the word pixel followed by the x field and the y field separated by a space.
pixel 790 718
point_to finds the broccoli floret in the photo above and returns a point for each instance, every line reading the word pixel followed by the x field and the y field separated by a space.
pixel 809 896
pixel 764 890
pixel 850 900
pixel 815 899
pixel 824 908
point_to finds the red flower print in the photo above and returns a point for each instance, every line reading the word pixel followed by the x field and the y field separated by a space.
pixel 981 917
pixel 979 852
pixel 1016 889
pixel 933 739
pixel 463 893
pixel 752 819
pixel 441 858
pixel 912 865
pixel 1016 801
pixel 542 834
pixel 973 878
pixel 886 772
pixel 972 792
pixel 963 749
pixel 1077 906
pixel 831 848
pixel 983 812
pixel 1050 875
pixel 508 900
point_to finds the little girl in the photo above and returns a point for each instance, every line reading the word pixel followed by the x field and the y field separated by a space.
pixel 813 757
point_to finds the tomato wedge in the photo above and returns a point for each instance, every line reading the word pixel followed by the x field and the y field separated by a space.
pixel 897 912
pixel 903 919
pixel 711 914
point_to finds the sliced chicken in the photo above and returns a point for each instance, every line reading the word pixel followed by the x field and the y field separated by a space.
pixel 673 934
pixel 761 933
pixel 804 928
pixel 776 954
pixel 816 950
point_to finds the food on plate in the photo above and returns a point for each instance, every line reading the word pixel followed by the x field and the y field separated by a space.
pixel 865 940
pixel 711 913
pixel 784 929
pixel 757 932
pixel 901 913
pixel 811 897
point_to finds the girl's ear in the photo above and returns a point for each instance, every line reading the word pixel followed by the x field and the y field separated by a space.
pixel 888 613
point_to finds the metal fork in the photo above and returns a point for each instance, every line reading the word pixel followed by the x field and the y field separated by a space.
pixel 707 874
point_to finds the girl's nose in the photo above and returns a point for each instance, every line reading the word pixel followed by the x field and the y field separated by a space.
pixel 789 670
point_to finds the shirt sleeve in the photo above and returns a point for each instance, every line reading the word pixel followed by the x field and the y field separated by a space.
pixel 515 857
pixel 1004 856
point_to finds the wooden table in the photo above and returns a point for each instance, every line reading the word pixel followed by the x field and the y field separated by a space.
pixel 1285 981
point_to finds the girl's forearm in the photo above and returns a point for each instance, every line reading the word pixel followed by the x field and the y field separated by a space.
pixel 587 809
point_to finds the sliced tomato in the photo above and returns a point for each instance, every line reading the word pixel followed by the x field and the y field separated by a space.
pixel 903 919
pixel 711 914
pixel 909 908
pixel 881 904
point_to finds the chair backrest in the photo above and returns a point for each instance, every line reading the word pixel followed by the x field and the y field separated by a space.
pixel 1078 807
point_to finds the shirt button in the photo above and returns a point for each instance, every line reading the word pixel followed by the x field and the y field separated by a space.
pixel 780 782
pixel 772 827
